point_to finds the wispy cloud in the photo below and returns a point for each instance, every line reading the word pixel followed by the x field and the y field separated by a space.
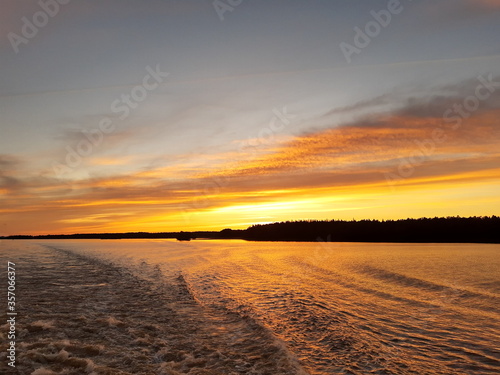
pixel 445 11
pixel 486 4
pixel 341 159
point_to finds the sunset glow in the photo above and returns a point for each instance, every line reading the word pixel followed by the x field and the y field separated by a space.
pixel 244 130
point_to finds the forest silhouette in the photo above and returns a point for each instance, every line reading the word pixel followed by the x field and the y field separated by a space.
pixel 482 229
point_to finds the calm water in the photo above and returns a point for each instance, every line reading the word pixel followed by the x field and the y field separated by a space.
pixel 316 308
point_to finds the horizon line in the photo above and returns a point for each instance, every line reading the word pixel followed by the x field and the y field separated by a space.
pixel 257 224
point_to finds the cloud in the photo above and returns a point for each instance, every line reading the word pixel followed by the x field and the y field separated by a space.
pixel 335 162
pixel 456 10
pixel 8 161
pixel 10 17
pixel 378 101
pixel 9 168
pixel 361 151
pixel 433 102
pixel 485 4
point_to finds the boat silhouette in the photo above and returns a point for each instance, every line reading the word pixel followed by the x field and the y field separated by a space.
pixel 182 236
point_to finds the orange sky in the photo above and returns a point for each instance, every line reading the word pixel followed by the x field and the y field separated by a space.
pixel 384 167
pixel 254 117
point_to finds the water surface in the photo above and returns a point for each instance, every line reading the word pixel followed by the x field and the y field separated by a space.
pixel 317 308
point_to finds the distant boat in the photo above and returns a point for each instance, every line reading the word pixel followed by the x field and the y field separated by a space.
pixel 183 237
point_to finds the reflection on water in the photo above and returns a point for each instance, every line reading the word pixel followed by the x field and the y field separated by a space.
pixel 339 308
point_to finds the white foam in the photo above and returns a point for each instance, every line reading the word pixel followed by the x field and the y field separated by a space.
pixel 44 324
pixel 112 321
pixel 43 371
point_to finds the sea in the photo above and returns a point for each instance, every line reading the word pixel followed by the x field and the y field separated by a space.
pixel 203 307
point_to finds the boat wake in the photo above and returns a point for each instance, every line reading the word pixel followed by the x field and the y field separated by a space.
pixel 82 315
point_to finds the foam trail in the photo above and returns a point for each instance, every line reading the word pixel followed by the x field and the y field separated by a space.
pixel 81 315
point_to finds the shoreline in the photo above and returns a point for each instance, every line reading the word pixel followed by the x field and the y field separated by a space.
pixel 424 230
pixel 320 240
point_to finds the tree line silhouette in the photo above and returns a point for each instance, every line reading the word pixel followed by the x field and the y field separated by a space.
pixel 438 229
pixel 477 229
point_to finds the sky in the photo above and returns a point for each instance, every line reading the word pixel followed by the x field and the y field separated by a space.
pixel 166 115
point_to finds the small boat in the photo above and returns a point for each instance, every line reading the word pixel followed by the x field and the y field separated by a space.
pixel 183 237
